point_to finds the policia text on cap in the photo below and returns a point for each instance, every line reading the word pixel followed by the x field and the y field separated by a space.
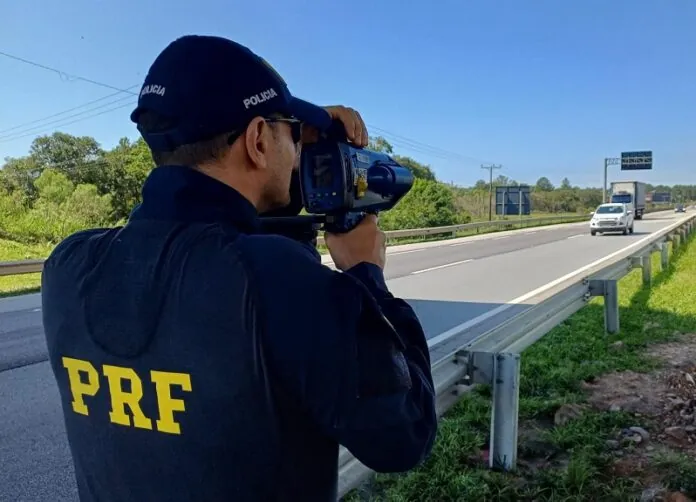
pixel 201 359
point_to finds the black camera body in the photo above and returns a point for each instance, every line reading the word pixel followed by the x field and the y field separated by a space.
pixel 339 184
pixel 343 183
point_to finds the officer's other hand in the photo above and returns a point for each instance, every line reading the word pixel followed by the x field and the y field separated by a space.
pixel 355 127
pixel 365 243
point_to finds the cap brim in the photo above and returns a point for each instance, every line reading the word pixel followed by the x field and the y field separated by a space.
pixel 135 114
pixel 310 113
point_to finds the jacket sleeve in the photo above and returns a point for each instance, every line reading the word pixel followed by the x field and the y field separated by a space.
pixel 354 356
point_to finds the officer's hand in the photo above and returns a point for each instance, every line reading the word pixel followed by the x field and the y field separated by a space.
pixel 365 243
pixel 356 131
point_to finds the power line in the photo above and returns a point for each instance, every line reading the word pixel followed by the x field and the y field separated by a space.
pixel 434 149
pixel 402 141
pixel 410 147
pixel 66 111
pixel 61 121
pixel 63 75
pixel 46 131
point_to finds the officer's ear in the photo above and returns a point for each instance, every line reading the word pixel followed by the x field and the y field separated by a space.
pixel 259 141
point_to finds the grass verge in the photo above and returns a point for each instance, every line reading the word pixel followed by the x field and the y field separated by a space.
pixel 602 418
pixel 15 251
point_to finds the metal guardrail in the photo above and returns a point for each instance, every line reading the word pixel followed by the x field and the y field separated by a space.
pixel 21 267
pixel 493 358
pixel 513 222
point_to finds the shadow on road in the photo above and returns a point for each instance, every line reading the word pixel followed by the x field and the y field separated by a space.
pixel 453 324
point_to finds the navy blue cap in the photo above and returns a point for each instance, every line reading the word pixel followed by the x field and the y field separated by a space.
pixel 210 85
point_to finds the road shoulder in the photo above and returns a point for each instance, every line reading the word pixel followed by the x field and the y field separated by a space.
pixel 602 417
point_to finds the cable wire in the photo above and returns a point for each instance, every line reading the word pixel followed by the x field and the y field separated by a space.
pixel 400 141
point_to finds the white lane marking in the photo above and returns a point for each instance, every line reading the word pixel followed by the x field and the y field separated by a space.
pixel 498 238
pixel 574 236
pixel 460 244
pixel 36 310
pixel 441 266
pixel 502 308
pixel 406 252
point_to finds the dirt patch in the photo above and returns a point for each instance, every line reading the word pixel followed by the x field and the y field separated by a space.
pixel 667 396
pixel 664 402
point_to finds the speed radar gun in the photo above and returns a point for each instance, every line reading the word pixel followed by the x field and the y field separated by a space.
pixel 340 184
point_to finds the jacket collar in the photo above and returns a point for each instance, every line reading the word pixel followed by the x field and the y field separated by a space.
pixel 184 194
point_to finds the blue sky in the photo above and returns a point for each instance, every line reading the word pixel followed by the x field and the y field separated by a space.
pixel 543 87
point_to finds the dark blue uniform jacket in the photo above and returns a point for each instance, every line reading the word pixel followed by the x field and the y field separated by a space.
pixel 199 359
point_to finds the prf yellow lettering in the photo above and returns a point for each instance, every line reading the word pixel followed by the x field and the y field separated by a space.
pixel 116 376
pixel 165 402
pixel 121 399
pixel 78 388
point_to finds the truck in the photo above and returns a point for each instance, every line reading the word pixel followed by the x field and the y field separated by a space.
pixel 631 193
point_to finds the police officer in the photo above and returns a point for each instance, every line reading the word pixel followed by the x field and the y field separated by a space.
pixel 201 359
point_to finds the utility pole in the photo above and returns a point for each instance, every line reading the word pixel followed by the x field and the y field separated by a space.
pixel 490 168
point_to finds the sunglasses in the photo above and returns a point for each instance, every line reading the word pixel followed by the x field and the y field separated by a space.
pixel 295 129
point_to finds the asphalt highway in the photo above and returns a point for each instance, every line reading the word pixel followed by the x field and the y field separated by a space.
pixel 451 285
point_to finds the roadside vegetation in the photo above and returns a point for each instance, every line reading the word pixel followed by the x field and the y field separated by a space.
pixel 67 183
pixel 602 417
pixel 15 251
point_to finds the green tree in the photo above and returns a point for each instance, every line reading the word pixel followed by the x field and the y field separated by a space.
pixel 543 184
pixel 419 171
pixel 379 144
pixel 80 158
pixel 54 187
pixel 128 166
pixel 428 204
pixel 422 171
pixel 18 174
pixel 88 206
pixel 504 181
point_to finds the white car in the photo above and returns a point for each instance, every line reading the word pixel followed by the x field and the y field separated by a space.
pixel 613 217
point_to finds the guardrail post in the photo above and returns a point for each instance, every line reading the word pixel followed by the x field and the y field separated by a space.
pixel 646 265
pixel 664 256
pixel 611 305
pixel 609 289
pixel 504 418
pixel 676 240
